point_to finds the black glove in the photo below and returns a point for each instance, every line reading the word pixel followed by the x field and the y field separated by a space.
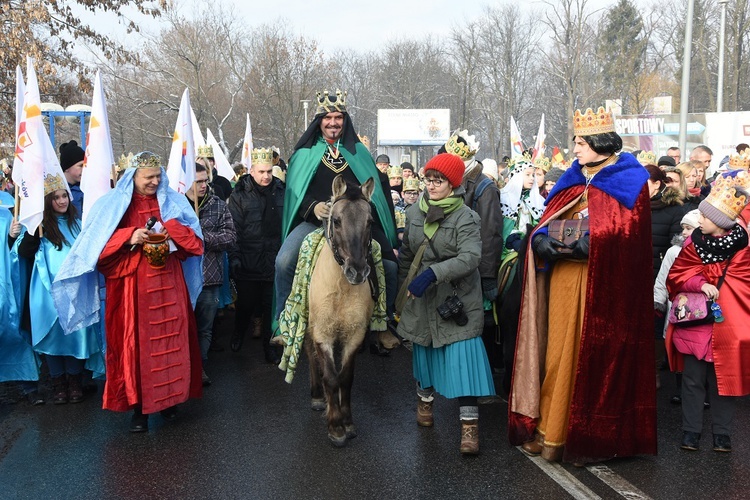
pixel 546 248
pixel 513 242
pixel 489 289
pixel 581 248
pixel 235 268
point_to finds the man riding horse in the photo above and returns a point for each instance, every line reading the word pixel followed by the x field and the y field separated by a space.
pixel 330 147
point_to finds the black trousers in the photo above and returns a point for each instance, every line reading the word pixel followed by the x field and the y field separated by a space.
pixel 250 296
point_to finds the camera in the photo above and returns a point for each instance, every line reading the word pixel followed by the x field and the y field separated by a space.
pixel 453 309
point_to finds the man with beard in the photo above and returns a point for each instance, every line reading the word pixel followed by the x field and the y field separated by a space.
pixel 330 147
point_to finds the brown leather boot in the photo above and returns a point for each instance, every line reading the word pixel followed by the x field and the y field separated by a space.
pixel 424 413
pixel 470 437
pixel 75 390
pixel 59 390
pixel 534 448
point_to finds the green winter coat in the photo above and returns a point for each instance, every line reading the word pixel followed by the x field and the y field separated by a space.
pixel 459 246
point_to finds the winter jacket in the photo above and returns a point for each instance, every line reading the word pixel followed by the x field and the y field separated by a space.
pixel 218 237
pixel 487 206
pixel 667 211
pixel 459 251
pixel 258 241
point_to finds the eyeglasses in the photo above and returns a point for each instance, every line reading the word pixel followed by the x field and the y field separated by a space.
pixel 434 182
pixel 411 193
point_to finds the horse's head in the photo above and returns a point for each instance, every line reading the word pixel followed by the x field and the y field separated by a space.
pixel 349 228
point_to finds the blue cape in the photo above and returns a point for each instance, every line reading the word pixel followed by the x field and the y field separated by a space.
pixel 622 180
pixel 76 286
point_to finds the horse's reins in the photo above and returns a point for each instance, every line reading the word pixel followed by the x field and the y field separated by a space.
pixel 372 278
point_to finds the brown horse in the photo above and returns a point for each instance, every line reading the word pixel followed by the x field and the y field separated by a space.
pixel 341 305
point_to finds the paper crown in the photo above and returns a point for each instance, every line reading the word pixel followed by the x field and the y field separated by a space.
pixel 262 157
pixel 145 159
pixel 124 162
pixel 395 171
pixel 519 164
pixel 410 184
pixel 52 183
pixel 739 161
pixel 729 193
pixel 465 151
pixel 400 216
pixel 590 123
pixel 543 162
pixel 327 103
pixel 646 158
pixel 205 151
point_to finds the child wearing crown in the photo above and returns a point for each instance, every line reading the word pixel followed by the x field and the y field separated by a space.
pixel 714 357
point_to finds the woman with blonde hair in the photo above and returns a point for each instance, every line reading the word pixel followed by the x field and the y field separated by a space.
pixel 689 171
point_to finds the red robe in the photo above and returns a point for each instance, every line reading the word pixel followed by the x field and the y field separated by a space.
pixel 613 407
pixel 731 338
pixel 153 357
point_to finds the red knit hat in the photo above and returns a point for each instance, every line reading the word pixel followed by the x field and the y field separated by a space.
pixel 450 165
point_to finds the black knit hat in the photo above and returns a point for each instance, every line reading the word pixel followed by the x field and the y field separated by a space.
pixel 70 154
pixel 666 161
pixel 553 175
pixel 407 166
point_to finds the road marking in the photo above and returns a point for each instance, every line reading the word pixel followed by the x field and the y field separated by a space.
pixel 565 479
pixel 617 483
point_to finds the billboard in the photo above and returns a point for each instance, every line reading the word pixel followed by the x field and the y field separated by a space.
pixel 413 127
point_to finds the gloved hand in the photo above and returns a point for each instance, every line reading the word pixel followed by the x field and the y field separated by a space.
pixel 322 210
pixel 660 308
pixel 513 242
pixel 581 248
pixel 419 284
pixel 489 289
pixel 235 267
pixel 546 248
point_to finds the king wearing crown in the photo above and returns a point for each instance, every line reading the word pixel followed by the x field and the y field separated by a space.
pixel 330 147
pixel 597 400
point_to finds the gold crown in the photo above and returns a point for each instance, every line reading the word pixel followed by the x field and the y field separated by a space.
pixel 262 157
pixel 465 151
pixel 543 162
pixel 52 183
pixel 647 158
pixel 729 193
pixel 400 216
pixel 395 171
pixel 739 161
pixel 205 151
pixel 330 104
pixel 145 159
pixel 410 184
pixel 124 162
pixel 519 163
pixel 590 123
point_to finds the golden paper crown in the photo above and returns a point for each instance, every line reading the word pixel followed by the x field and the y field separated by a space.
pixel 646 158
pixel 739 161
pixel 145 159
pixel 327 103
pixel 590 123
pixel 52 183
pixel 205 151
pixel 400 216
pixel 543 162
pixel 262 157
pixel 465 151
pixel 410 184
pixel 395 171
pixel 729 194
pixel 124 162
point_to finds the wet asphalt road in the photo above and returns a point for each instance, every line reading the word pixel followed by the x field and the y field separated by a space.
pixel 254 436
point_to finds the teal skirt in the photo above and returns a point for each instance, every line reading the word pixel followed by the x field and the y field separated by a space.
pixel 454 370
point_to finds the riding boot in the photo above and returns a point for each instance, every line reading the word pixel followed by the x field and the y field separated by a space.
pixel 75 389
pixel 59 390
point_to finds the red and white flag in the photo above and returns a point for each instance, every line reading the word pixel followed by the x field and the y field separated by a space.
pixel 247 144
pixel 222 164
pixel 516 145
pixel 181 164
pixel 99 158
pixel 35 155
pixel 539 144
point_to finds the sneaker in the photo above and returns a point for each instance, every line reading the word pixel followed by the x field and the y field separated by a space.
pixel 690 440
pixel 34 398
pixel 205 379
pixel 722 443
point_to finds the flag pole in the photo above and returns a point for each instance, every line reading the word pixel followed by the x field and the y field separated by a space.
pixel 17 205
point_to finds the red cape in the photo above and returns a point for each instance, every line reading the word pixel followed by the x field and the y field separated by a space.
pixel 731 338
pixel 613 408
pixel 153 357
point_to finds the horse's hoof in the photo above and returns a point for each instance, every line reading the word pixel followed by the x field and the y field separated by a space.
pixel 351 431
pixel 318 404
pixel 338 442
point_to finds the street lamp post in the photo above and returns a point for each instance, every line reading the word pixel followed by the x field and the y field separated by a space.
pixel 720 89
pixel 685 90
pixel 305 105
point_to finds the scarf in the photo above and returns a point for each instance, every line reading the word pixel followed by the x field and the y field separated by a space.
pixel 718 249
pixel 695 192
pixel 435 211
